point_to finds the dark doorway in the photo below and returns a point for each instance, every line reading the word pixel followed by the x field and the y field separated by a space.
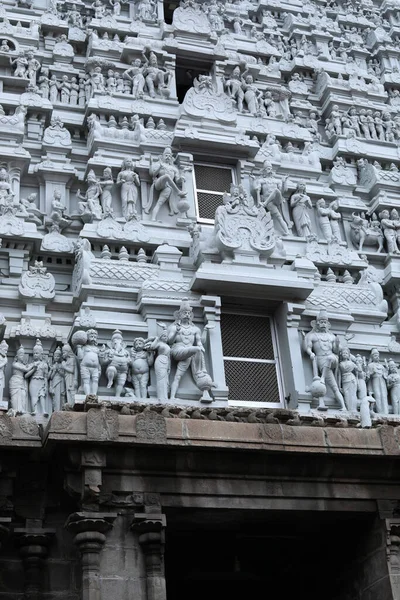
pixel 285 556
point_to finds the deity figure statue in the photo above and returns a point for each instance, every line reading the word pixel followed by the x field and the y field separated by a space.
pixel 362 232
pixel 117 359
pixel 129 182
pixel 166 176
pixel 97 80
pixel 32 67
pixel 141 361
pixel 234 87
pixel 21 65
pixel 91 204
pixel 187 349
pixel 43 83
pixel 393 385
pixel 347 379
pixel 4 46
pixel 156 78
pixel 162 364
pixel 18 385
pixel 70 370
pixel 74 17
pixel 100 10
pixel 377 375
pixel 107 184
pixel 365 401
pixel 57 381
pixel 300 203
pixel 328 219
pixel 3 364
pixel 269 194
pixel 146 10
pixel 58 209
pixel 38 373
pixel 6 193
pixel 322 347
pixel 252 95
pixel 135 75
pixel 87 353
pixel 389 231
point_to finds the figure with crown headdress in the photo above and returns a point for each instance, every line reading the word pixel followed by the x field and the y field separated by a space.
pixel 90 206
pixel 18 385
pixel 37 374
pixel 3 364
pixel 187 349
pixel 167 181
pixel 57 381
pixel 162 363
pixel 347 378
pixel 87 353
pixel 70 370
pixel 322 347
pixel 156 78
pixel 116 357
pixel 377 373
pixel 393 385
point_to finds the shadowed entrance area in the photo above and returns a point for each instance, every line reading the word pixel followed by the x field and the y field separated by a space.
pixel 284 555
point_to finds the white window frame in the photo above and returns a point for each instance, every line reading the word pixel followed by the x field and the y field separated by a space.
pixel 215 166
pixel 275 361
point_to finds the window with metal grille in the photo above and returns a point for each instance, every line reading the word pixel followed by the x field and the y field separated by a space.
pixel 211 182
pixel 250 359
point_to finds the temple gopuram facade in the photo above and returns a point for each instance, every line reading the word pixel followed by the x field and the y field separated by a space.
pixel 200 299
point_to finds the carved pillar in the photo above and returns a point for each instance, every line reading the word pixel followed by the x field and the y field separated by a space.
pixel 393 554
pixel 150 528
pixel 90 530
pixel 33 548
pixel 212 313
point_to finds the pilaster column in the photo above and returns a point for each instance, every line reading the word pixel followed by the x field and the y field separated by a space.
pixel 393 554
pixel 33 548
pixel 90 530
pixel 150 529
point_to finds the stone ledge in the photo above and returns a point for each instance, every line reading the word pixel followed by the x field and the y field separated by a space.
pixel 151 428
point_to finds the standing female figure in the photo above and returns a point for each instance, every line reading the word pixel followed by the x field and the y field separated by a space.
pixel 18 385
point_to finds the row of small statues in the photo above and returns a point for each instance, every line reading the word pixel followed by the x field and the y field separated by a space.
pixel 78 366
pixel 363 123
pixel 144 76
pixel 353 382
pixel 145 10
pixel 167 187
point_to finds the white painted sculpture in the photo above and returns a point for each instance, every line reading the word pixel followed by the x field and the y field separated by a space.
pixel 87 353
pixel 116 358
pixel 300 204
pixel 129 181
pixel 162 363
pixel 37 374
pixel 187 350
pixel 140 363
pixel 166 181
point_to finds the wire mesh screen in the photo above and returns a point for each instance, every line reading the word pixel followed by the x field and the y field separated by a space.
pixel 216 179
pixel 251 382
pixel 208 204
pixel 247 336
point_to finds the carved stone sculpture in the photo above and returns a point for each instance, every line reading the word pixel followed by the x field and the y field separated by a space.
pixel 18 385
pixel 57 381
pixel 129 182
pixel 347 379
pixel 37 374
pixel 242 228
pixel 377 375
pixel 90 208
pixel 116 357
pixel 141 360
pixel 157 78
pixel 187 349
pixel 393 385
pixel 300 203
pixel 166 179
pixel 322 347
pixel 87 352
pixel 270 194
pixel 37 283
pixel 3 363
pixel 70 371
pixel 162 363
pixel 362 232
